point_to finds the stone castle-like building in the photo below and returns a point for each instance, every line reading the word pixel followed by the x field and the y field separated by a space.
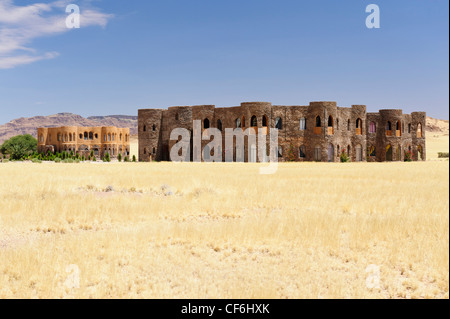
pixel 320 131
pixel 83 140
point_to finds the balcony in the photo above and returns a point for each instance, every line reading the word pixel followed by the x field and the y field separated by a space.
pixel 398 133
pixel 330 131
pixel 388 133
pixel 318 130
pixel 358 131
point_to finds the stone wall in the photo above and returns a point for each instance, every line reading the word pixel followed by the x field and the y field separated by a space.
pixel 330 130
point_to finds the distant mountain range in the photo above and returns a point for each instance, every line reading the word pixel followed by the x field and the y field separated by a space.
pixel 29 125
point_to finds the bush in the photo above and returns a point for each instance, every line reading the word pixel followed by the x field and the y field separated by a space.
pixel 35 160
pixel 19 146
pixel 443 155
pixel 126 159
pixel 119 157
pixel 5 160
pixel 134 158
pixel 57 160
pixel 408 156
pixel 344 157
pixel 106 158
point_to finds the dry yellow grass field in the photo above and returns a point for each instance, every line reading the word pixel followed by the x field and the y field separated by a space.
pixel 312 230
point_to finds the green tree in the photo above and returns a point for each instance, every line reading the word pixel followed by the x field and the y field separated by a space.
pixel 119 157
pixel 19 146
pixel 134 158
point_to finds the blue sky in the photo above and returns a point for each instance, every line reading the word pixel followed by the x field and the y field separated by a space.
pixel 155 54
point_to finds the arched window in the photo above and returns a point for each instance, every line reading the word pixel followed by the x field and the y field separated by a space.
pixel 238 123
pixel 419 130
pixel 278 123
pixel 358 126
pixel 106 138
pixel 144 128
pixel 302 151
pixel 349 149
pixel 91 136
pixel 388 126
pixel 112 137
pixel 109 137
pixel 372 127
pixel 419 153
pixel 318 121
pixel 264 121
pixel 389 153
pixel 66 138
pixel 330 126
pixel 409 128
pixel 85 136
pixel 154 150
pixel 70 137
pixel 219 125
pixel 120 136
pixel 177 116
pixel 397 126
pixel 205 124
pixel 317 154
pixel 42 138
pixel 254 121
pixel 302 124
pixel 154 128
pixel 96 136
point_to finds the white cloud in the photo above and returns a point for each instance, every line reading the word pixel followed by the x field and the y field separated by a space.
pixel 20 25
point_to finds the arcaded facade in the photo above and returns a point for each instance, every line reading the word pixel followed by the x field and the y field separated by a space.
pixel 84 140
pixel 320 131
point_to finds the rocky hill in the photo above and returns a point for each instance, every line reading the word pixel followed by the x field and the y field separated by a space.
pixel 29 125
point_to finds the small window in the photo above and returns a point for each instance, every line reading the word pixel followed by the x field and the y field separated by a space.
pixel 91 136
pixel 358 123
pixel 409 128
pixel 176 117
pixel 330 121
pixel 302 151
pixel 419 130
pixel 154 150
pixel 144 128
pixel 302 124
pixel 264 121
pixel 145 150
pixel 85 136
pixel 318 122
pixel 348 125
pixel 96 136
pixel 278 123
pixel 154 127
pixel 205 124
pixel 254 121
pixel 238 123
pixel 372 127
pixel 388 126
